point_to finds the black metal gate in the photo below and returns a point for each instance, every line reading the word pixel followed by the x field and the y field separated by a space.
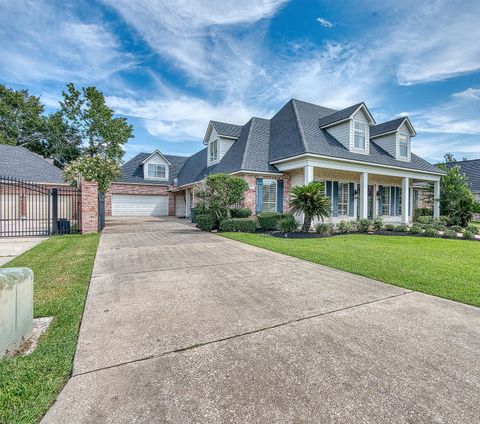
pixel 101 210
pixel 32 209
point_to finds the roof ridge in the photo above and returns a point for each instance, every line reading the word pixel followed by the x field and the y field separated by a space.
pixel 297 119
pixel 250 121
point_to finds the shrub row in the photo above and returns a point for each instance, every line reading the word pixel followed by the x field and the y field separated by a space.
pixel 244 225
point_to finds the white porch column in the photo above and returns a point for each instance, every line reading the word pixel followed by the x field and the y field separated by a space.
pixel 307 174
pixel 188 203
pixel 436 199
pixel 405 200
pixel 363 197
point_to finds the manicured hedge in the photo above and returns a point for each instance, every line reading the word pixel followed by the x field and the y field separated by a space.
pixel 422 212
pixel 240 212
pixel 206 222
pixel 244 225
pixel 269 220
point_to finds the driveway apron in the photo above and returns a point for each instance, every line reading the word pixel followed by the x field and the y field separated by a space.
pixel 182 326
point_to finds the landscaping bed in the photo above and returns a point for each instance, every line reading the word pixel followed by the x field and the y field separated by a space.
pixel 62 267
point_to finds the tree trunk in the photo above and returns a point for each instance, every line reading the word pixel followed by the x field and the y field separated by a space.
pixel 307 222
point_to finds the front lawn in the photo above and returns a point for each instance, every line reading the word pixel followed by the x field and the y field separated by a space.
pixel 62 267
pixel 445 268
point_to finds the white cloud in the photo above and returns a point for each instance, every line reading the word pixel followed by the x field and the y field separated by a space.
pixel 325 23
pixel 43 43
pixel 468 94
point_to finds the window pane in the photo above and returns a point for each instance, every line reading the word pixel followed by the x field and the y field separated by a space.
pixel 214 150
pixel 156 170
pixel 343 199
pixel 386 200
pixel 359 135
pixel 359 142
pixel 269 198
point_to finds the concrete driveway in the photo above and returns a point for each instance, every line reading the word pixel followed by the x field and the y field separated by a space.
pixel 182 326
pixel 11 247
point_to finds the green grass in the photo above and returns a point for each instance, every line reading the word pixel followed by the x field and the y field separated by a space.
pixel 445 268
pixel 62 267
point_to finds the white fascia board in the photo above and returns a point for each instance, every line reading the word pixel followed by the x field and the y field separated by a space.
pixel 153 153
pixel 362 106
pixel 353 166
pixel 243 171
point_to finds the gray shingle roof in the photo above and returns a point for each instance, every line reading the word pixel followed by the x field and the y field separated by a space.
pixel 471 169
pixel 227 130
pixel 339 115
pixel 19 162
pixel 195 169
pixel 386 127
pixel 132 171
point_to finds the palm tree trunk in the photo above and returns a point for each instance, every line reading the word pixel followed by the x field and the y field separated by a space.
pixel 307 222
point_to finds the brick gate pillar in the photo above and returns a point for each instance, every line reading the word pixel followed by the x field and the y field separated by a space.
pixel 89 206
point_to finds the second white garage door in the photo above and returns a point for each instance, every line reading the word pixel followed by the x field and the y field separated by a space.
pixel 139 205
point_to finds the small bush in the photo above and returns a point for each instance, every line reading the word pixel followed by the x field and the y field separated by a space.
pixel 416 229
pixel 206 222
pixel 425 220
pixel 241 212
pixel 287 224
pixel 422 212
pixel 445 220
pixel 344 226
pixel 468 235
pixel 390 227
pixel 457 228
pixel 377 223
pixel 448 233
pixel 363 225
pixel 401 229
pixel 473 229
pixel 325 228
pixel 269 220
pixel 439 226
pixel 243 225
pixel 431 232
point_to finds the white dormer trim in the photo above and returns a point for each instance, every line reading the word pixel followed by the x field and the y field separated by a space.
pixel 156 158
pixel 362 106
pixel 406 121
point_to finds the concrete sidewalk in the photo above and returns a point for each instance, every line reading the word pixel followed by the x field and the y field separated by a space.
pixel 11 247
pixel 184 326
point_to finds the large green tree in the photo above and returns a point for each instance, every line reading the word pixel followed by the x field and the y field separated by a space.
pixel 92 120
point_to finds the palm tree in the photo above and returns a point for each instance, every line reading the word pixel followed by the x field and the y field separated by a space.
pixel 310 201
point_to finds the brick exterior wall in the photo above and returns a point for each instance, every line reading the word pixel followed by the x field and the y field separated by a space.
pixel 89 206
pixel 251 194
pixel 145 189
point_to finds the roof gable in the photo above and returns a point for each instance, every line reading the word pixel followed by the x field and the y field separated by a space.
pixel 391 126
pixel 344 114
pixel 155 152
pixel 223 129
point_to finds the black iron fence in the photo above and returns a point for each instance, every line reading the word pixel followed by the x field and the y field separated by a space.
pixel 101 211
pixel 32 209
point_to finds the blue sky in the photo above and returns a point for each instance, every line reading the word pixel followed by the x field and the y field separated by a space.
pixel 171 66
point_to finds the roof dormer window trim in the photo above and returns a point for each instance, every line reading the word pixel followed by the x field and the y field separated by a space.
pixel 213 150
pixel 359 135
pixel 403 145
pixel 156 171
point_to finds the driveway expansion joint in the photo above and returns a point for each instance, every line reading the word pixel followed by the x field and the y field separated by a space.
pixel 247 333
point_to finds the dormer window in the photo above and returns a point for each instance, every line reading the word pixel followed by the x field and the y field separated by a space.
pixel 156 170
pixel 213 150
pixel 360 130
pixel 403 145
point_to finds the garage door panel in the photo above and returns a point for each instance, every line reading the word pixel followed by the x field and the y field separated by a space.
pixel 139 205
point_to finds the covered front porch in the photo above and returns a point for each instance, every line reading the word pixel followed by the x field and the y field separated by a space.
pixel 363 191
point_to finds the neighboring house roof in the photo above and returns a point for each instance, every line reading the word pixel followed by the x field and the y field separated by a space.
pixel 227 130
pixel 19 162
pixel 471 169
pixel 132 171
pixel 389 126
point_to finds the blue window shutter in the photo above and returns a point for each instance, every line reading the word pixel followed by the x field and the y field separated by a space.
pixel 259 195
pixel 392 200
pixel 280 196
pixel 380 200
pixel 329 189
pixel 397 200
pixel 335 198
pixel 351 204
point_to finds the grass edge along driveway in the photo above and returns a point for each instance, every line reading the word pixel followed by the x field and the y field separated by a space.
pixel 440 267
pixel 62 268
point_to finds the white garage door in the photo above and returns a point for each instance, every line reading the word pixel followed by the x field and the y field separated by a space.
pixel 139 205
pixel 180 205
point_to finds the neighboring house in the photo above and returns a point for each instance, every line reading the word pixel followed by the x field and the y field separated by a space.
pixel 22 164
pixel 368 169
pixel 471 170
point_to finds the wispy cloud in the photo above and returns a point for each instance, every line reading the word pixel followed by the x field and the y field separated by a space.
pixel 42 43
pixel 325 23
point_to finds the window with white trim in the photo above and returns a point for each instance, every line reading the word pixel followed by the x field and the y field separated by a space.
pixel 403 145
pixel 156 170
pixel 386 199
pixel 214 150
pixel 343 199
pixel 360 131
pixel 269 195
